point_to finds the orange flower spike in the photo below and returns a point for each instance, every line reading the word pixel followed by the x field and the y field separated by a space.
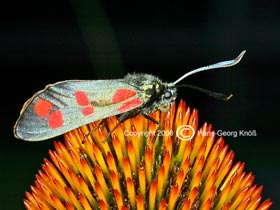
pixel 75 183
pixel 119 132
pixel 248 180
pixel 208 197
pixel 31 202
pixel 186 166
pixel 239 197
pixel 127 168
pixel 131 192
pixel 152 128
pixel 45 192
pixel 152 195
pixel 148 165
pixel 182 115
pixel 169 146
pixel 235 170
pixel 111 162
pixel 142 179
pixel 115 181
pixel 137 124
pixel 101 180
pixel 180 179
pixel 76 163
pixel 136 141
pixel 28 205
pixel 265 205
pixel 100 159
pixel 198 141
pixel 86 191
pixel 84 201
pixel 57 202
pixel 60 189
pixel 223 153
pixel 213 158
pixel 63 154
pixel 251 191
pixel 118 151
pixel 88 150
pixel 184 152
pixel 73 199
pixel 74 136
pixel 162 205
pixel 160 181
pixel 140 203
pixel 223 196
pixel 103 205
pixel 257 193
pixel 254 204
pixel 235 186
pixel 227 206
pixel 65 173
pixel 102 141
pixel 199 161
pixel 111 124
pixel 131 155
pixel 100 194
pixel 69 206
pixel 196 180
pixel 224 168
pixel 38 196
pixel 118 198
pixel 193 120
pixel 186 205
pixel 193 194
pixel 49 168
pixel 207 205
pixel 209 181
pixel 88 172
pixel 209 142
pixel 166 164
pixel 244 204
pixel 173 197
pixel 167 131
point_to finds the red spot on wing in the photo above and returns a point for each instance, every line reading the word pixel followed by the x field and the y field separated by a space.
pixel 55 119
pixel 88 110
pixel 81 98
pixel 130 105
pixel 42 107
pixel 122 94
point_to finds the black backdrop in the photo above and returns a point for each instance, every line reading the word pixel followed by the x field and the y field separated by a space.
pixel 44 42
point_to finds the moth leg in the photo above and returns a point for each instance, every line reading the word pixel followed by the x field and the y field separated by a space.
pixel 91 131
pixel 123 117
pixel 152 119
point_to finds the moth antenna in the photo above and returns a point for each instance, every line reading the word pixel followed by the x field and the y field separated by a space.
pixel 221 64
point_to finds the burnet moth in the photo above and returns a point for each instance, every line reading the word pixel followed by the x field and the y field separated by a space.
pixel 66 105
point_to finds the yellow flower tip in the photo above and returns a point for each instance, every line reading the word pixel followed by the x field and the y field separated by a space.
pixel 153 171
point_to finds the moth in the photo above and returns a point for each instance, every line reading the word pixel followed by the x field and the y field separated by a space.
pixel 69 104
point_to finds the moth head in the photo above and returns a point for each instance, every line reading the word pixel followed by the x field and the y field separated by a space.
pixel 167 97
pixel 160 96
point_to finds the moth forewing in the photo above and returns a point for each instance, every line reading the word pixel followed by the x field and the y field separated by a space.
pixel 69 104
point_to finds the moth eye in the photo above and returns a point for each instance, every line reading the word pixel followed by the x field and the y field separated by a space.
pixel 167 94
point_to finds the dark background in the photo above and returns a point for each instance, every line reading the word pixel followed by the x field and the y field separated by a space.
pixel 44 42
